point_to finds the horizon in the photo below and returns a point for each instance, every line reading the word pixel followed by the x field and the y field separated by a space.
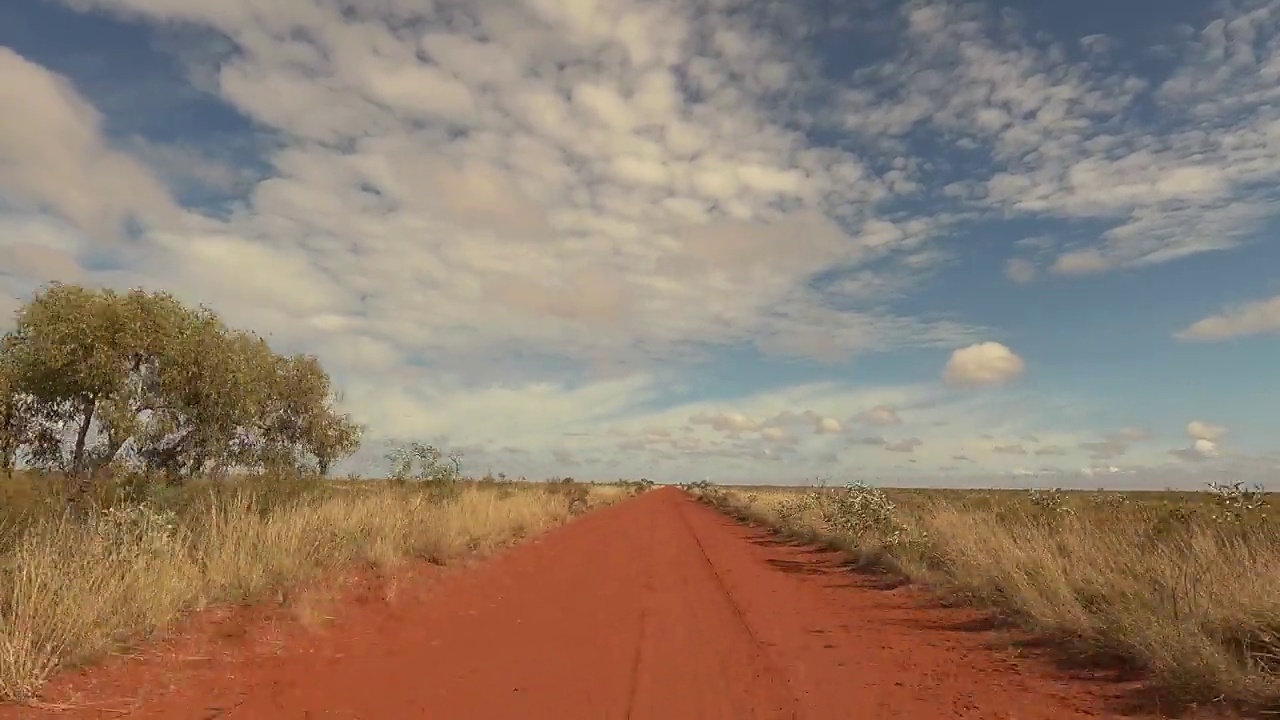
pixel 921 240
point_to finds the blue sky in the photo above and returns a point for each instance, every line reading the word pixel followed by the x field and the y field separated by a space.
pixel 925 242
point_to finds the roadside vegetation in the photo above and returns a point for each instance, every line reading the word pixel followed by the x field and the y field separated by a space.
pixel 1181 588
pixel 154 461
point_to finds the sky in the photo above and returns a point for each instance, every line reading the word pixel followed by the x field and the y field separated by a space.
pixel 926 242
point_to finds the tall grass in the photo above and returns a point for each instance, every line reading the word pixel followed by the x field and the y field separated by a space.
pixel 1186 592
pixel 73 587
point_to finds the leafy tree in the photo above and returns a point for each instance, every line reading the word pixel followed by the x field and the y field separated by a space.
pixel 91 378
pixel 14 418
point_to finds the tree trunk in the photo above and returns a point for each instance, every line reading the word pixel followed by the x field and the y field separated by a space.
pixel 81 480
pixel 77 456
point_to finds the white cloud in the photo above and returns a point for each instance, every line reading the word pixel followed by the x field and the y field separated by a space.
pixel 607 188
pixel 905 445
pixel 519 177
pixel 729 422
pixel 55 157
pixel 829 426
pixel 1020 270
pixel 987 363
pixel 1200 451
pixel 1255 318
pixel 1199 430
pixel 1205 439
pixel 881 415
pixel 1070 136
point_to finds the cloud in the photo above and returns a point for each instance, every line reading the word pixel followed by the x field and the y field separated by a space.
pixel 1050 450
pixel 1020 270
pixel 514 224
pixel 729 422
pixel 905 445
pixel 1204 442
pixel 1115 444
pixel 512 178
pixel 1199 451
pixel 1255 318
pixel 1080 262
pixel 1169 167
pixel 880 415
pixel 828 426
pixel 1105 449
pixel 1133 434
pixel 987 363
pixel 1199 430
pixel 1013 449
pixel 56 158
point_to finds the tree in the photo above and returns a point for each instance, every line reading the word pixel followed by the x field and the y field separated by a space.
pixel 14 417
pixel 93 377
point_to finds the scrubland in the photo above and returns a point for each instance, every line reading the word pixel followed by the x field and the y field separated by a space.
pixel 1180 589
pixel 81 579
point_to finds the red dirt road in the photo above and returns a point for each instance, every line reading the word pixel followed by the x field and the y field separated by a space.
pixel 658 608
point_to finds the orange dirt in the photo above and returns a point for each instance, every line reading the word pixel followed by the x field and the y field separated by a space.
pixel 657 608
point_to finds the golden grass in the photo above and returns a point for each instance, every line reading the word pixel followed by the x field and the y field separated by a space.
pixel 72 589
pixel 1165 585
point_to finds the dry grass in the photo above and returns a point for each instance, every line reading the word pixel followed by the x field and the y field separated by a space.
pixel 72 589
pixel 1184 590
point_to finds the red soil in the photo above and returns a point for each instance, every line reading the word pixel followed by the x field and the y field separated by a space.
pixel 657 608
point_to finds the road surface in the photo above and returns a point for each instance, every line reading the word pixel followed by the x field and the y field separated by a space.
pixel 659 608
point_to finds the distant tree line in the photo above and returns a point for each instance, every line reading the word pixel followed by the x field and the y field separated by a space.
pixel 94 380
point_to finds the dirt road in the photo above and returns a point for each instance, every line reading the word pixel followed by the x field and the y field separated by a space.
pixel 657 608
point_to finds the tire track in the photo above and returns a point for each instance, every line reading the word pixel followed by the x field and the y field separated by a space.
pixel 762 647
pixel 646 603
pixel 701 660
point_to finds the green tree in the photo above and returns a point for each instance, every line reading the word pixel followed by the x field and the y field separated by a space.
pixel 89 378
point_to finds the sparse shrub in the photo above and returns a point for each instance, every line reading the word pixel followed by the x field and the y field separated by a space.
pixel 1051 504
pixel 1238 504
pixel 795 506
pixel 863 514
pixel 426 464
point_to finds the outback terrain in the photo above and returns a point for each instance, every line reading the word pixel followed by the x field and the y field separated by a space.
pixel 173 545
pixel 659 606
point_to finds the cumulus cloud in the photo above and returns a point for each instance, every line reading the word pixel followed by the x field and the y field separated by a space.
pixel 1199 451
pixel 828 426
pixel 986 363
pixel 1254 318
pixel 728 422
pixel 1200 430
pixel 881 415
pixel 1205 438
